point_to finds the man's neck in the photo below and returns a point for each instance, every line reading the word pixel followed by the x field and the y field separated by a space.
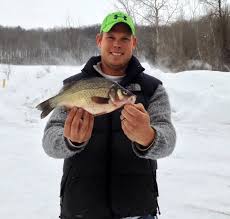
pixel 116 78
pixel 113 72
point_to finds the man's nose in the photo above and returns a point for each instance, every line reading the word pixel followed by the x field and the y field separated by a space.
pixel 116 44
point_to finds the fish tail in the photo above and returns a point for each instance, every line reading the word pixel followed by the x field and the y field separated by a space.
pixel 46 107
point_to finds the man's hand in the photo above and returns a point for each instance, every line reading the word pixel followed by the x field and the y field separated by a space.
pixel 136 124
pixel 78 125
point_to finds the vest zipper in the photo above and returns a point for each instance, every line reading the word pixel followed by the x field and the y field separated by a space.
pixel 158 209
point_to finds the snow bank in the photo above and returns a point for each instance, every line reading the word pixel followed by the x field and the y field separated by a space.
pixel 193 181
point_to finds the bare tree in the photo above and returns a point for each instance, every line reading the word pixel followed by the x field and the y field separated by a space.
pixel 195 12
pixel 128 6
pixel 219 10
pixel 153 13
pixel 216 6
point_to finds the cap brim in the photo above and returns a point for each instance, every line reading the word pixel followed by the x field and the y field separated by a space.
pixel 110 26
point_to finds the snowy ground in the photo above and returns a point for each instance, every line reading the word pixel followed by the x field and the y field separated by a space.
pixel 194 182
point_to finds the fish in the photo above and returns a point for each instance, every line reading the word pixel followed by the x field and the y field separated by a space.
pixel 97 95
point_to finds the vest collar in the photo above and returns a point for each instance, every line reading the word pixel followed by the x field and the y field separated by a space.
pixel 134 68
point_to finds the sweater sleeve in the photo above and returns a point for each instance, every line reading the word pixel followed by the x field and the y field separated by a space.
pixel 160 116
pixel 54 143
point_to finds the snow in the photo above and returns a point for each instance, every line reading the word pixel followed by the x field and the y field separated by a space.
pixel 194 182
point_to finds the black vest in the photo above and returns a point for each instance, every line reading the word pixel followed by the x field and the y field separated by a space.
pixel 107 178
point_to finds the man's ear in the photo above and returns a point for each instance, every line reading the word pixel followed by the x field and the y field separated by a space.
pixel 134 42
pixel 98 39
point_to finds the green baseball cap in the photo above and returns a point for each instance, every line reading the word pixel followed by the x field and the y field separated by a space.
pixel 115 18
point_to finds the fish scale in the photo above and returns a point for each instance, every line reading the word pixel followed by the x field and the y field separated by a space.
pixel 96 95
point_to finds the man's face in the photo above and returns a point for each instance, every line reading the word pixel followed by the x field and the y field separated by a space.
pixel 116 46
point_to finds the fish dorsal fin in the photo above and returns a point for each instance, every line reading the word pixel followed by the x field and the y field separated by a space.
pixel 72 84
pixel 67 86
pixel 100 100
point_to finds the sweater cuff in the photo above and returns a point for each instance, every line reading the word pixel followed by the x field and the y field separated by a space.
pixel 144 148
pixel 140 149
pixel 74 146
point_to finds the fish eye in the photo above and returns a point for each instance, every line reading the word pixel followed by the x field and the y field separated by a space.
pixel 124 92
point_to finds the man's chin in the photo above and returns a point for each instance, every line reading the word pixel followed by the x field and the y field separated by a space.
pixel 119 62
pixel 117 65
pixel 116 58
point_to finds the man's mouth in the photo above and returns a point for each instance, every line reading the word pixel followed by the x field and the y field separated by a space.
pixel 116 53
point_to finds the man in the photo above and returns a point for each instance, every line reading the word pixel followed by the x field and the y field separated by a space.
pixel 110 161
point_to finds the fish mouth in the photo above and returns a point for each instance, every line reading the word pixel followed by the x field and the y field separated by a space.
pixel 132 99
pixel 129 100
pixel 120 96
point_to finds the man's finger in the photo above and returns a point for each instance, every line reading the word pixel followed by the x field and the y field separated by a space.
pixel 68 121
pixel 90 127
pixel 133 110
pixel 125 128
pixel 140 107
pixel 126 115
pixel 85 124
pixel 75 122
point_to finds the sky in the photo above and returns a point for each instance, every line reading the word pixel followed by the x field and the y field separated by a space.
pixel 194 182
pixel 58 13
pixel 53 13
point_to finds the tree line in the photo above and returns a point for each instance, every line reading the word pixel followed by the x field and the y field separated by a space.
pixel 198 43
pixel 57 46
pixel 202 40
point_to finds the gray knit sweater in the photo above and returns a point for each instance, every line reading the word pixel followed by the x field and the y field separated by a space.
pixel 55 145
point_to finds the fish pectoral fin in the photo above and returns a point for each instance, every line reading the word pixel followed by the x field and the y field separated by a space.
pixel 100 100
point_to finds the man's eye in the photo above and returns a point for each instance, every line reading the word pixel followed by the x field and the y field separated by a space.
pixel 125 39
